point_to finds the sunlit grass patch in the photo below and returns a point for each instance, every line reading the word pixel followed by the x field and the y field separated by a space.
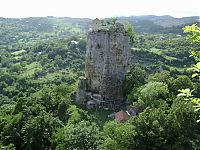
pixel 16 53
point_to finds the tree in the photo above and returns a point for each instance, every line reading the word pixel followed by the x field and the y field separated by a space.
pixel 163 76
pixel 152 92
pixel 149 127
pixel 11 132
pixel 58 61
pixel 166 127
pixel 182 82
pixel 82 135
pixel 187 129
pixel 194 35
pixel 16 67
pixel 134 78
pixel 34 118
pixel 38 131
pixel 117 136
pixel 114 20
pixel 77 114
pixel 130 31
pixel 82 45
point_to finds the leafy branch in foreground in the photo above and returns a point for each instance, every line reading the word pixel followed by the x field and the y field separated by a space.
pixel 193 32
pixel 187 94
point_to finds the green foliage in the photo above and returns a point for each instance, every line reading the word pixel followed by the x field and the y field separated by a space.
pixel 134 78
pixel 153 91
pixel 130 31
pixel 35 118
pixel 16 67
pixel 167 128
pixel 149 127
pixel 183 113
pixel 114 20
pixel 77 114
pixel 163 76
pixel 38 131
pixel 182 82
pixel 38 78
pixel 7 147
pixel 11 132
pixel 81 135
pixel 117 136
pixel 196 101
pixel 193 33
pixel 187 94
pixel 39 67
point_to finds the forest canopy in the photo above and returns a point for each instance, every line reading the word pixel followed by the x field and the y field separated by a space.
pixel 40 67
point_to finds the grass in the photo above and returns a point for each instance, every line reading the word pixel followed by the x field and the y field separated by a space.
pixel 156 50
pixel 16 53
pixel 101 114
pixel 170 58
pixel 179 69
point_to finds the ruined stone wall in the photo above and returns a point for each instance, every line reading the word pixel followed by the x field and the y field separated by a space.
pixel 107 58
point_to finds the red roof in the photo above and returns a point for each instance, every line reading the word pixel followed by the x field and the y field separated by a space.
pixel 121 116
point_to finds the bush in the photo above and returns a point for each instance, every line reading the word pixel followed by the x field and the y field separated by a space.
pixel 153 91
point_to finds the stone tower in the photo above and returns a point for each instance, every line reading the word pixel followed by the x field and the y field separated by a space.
pixel 107 58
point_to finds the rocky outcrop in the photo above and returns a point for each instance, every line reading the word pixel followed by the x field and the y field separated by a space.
pixel 107 58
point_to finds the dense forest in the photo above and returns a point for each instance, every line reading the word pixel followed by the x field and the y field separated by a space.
pixel 42 60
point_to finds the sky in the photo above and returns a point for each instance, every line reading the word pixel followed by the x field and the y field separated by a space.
pixel 97 8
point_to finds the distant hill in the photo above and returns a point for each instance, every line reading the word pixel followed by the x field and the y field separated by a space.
pixel 142 24
pixel 166 20
pixel 159 24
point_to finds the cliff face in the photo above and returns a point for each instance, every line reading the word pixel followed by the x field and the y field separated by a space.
pixel 107 58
